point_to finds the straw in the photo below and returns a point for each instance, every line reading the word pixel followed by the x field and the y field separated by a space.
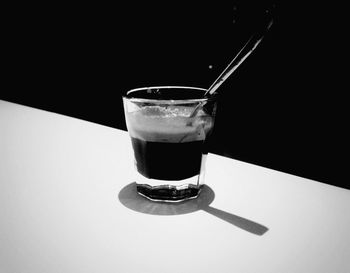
pixel 243 54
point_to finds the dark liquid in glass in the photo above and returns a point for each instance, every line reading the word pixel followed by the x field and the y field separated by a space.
pixel 167 161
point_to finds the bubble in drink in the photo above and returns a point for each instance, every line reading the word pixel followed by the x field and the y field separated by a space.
pixel 169 124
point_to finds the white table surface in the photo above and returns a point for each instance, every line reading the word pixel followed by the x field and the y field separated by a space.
pixel 67 204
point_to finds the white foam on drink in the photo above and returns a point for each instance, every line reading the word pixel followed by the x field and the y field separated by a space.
pixel 168 124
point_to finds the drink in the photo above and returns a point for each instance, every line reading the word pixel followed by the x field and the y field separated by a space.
pixel 169 144
pixel 166 161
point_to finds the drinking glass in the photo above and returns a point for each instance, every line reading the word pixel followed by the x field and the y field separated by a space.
pixel 169 128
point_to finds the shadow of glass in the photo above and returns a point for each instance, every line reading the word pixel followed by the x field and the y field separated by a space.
pixel 129 197
pixel 238 221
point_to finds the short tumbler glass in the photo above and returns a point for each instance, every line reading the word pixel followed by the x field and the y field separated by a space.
pixel 169 128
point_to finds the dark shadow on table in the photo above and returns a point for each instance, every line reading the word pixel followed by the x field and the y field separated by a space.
pixel 129 197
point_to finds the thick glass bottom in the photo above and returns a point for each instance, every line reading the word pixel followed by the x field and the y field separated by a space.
pixel 168 193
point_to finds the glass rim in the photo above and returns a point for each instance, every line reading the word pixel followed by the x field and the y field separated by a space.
pixel 167 101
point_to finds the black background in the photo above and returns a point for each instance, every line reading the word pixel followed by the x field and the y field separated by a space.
pixel 284 108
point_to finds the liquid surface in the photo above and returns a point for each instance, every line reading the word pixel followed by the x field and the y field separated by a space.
pixel 168 124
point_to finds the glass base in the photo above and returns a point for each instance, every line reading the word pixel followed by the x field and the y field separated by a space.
pixel 168 193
